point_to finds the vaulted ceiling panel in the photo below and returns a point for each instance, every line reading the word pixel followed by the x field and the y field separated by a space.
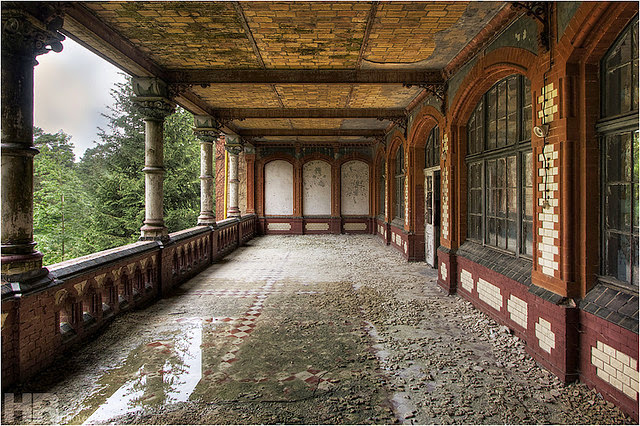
pixel 181 34
pixel 231 95
pixel 314 95
pixel 307 35
pixel 382 96
pixel 403 32
pixel 304 71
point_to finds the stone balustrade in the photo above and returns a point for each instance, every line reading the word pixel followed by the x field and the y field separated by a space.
pixel 87 293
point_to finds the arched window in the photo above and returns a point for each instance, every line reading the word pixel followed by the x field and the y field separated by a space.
pixel 618 130
pixel 399 184
pixel 499 161
pixel 432 149
pixel 382 181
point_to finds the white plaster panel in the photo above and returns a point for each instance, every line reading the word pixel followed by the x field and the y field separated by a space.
pixel 355 188
pixel 317 226
pixel 355 226
pixel 279 227
pixel 316 188
pixel 278 188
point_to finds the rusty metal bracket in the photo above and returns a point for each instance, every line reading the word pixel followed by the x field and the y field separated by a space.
pixel 541 11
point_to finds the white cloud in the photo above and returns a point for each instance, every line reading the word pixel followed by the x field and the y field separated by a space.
pixel 71 90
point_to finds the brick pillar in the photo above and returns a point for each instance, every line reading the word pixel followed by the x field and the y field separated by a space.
pixel 250 158
pixel 152 101
pixel 28 30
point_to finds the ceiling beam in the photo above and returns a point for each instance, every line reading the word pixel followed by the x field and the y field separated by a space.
pixel 311 132
pixel 243 113
pixel 115 46
pixel 305 76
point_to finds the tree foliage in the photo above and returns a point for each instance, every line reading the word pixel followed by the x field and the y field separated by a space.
pixel 104 192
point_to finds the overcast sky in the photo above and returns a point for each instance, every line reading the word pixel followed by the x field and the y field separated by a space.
pixel 72 89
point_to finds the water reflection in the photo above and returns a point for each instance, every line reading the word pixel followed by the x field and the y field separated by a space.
pixel 168 372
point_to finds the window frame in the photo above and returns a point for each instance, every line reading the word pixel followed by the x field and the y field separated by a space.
pixel 481 154
pixel 399 183
pixel 432 148
pixel 609 126
pixel 382 190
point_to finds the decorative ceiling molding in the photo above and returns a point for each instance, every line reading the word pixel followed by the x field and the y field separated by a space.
pixel 303 76
pixel 243 113
pixel 311 132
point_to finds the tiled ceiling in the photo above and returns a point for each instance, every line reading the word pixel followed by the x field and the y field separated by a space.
pixel 203 39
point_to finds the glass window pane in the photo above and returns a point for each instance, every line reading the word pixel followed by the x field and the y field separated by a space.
pixel 511 235
pixel 491 231
pixel 501 230
pixel 527 238
pixel 625 83
pixel 619 164
pixel 619 207
pixel 635 262
pixel 511 171
pixel 618 257
pixel 492 106
pixel 480 127
pixel 502 114
pixel 512 202
pixel 634 82
pixel 526 109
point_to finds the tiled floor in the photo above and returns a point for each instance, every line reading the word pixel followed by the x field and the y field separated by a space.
pixel 309 329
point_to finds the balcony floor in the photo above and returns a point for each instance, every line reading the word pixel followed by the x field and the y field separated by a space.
pixel 313 329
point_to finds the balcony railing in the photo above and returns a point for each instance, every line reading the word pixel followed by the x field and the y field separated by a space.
pixel 87 293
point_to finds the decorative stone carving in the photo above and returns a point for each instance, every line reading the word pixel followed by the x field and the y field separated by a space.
pixel 100 280
pixel 60 296
pixel 153 108
pixel 152 98
pixel 80 287
pixel 31 32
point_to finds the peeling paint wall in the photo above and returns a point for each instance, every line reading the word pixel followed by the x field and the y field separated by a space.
pixel 316 189
pixel 355 188
pixel 278 188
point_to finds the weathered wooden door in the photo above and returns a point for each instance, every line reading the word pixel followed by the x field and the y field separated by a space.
pixel 432 214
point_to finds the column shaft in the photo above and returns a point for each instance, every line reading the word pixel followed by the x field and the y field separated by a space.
pixel 232 207
pixel 24 36
pixel 153 227
pixel 207 217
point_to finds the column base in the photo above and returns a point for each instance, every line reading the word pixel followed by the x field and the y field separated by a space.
pixel 206 219
pixel 21 266
pixel 233 212
pixel 153 233
pixel 24 274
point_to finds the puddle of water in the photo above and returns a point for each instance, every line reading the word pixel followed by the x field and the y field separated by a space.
pixel 169 382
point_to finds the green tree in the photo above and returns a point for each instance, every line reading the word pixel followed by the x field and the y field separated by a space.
pixel 112 173
pixel 60 203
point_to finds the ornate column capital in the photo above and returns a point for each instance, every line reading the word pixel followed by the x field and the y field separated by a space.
pixel 29 30
pixel 153 108
pixel 233 145
pixel 152 98
pixel 206 128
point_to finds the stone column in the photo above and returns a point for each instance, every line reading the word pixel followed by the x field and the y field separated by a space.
pixel 28 30
pixel 206 131
pixel 152 102
pixel 234 147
